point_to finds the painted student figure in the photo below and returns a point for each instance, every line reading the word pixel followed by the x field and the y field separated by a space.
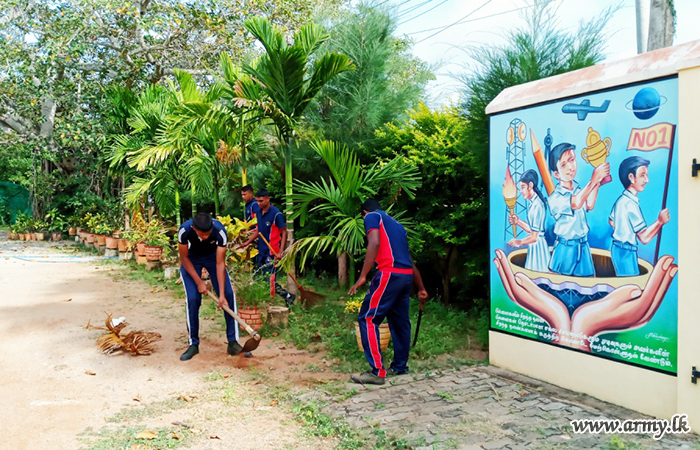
pixel 627 219
pixel 569 205
pixel 537 248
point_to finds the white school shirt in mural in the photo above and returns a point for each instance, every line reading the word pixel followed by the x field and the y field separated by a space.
pixel 627 218
pixel 571 224
pixel 538 251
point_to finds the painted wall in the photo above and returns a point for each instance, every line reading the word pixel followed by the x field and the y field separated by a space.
pixel 582 260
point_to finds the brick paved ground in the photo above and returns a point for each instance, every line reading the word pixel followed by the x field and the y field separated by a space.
pixel 486 408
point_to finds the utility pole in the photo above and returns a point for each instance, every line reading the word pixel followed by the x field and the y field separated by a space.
pixel 642 13
pixel 661 24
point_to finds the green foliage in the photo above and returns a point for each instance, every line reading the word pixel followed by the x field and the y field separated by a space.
pixel 252 291
pixel 387 82
pixel 56 222
pixel 450 215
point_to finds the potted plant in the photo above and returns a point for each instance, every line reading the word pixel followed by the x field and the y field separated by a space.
pixel 353 306
pixel 155 238
pixel 252 295
pixel 123 240
pixel 40 229
pixel 56 223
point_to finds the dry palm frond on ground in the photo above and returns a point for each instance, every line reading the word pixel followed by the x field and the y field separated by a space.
pixel 135 342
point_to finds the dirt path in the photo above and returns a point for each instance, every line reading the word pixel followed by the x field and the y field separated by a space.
pixel 49 398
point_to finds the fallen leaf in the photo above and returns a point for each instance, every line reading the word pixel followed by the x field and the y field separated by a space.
pixel 146 434
pixel 274 334
pixel 195 430
pixel 274 403
pixel 253 383
pixel 214 437
pixel 185 398
pixel 282 347
pixel 225 376
pixel 137 398
pixel 90 372
pixel 67 300
pixel 174 436
pixel 315 337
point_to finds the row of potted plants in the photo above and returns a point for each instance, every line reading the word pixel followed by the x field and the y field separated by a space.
pixel 50 227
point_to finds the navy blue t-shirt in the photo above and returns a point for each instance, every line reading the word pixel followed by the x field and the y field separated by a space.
pixel 393 243
pixel 251 210
pixel 271 225
pixel 188 236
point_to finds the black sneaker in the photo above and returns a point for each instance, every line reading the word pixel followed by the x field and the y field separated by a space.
pixel 367 378
pixel 189 353
pixel 289 300
pixel 248 354
pixel 234 348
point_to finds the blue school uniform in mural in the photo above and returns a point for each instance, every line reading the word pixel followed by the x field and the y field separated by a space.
pixel 628 220
pixel 538 251
pixel 571 254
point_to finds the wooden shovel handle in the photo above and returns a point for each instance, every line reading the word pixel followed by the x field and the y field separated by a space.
pixel 240 321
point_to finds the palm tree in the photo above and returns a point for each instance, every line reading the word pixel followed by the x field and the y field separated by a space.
pixel 339 198
pixel 282 83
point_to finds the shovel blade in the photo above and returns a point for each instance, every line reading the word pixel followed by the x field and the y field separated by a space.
pixel 250 345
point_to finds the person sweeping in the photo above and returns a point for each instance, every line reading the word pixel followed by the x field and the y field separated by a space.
pixel 202 244
pixel 389 293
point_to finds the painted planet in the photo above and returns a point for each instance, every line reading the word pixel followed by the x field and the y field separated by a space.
pixel 646 103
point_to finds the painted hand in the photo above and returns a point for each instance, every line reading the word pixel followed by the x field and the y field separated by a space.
pixel 360 282
pixel 627 306
pixel 664 216
pixel 523 291
pixel 601 172
pixel 515 243
pixel 512 219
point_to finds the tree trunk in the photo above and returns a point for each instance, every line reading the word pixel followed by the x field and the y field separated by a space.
pixel 216 198
pixel 661 27
pixel 342 270
pixel 291 286
pixel 177 202
pixel 352 269
pixel 194 205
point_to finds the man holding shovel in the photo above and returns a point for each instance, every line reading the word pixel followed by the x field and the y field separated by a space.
pixel 202 244
pixel 273 228
pixel 389 293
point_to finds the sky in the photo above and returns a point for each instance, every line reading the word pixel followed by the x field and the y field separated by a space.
pixel 444 51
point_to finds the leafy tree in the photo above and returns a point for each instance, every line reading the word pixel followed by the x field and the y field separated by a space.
pixel 283 81
pixel 450 211
pixel 388 79
pixel 338 200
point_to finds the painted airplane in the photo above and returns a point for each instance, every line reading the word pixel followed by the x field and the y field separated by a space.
pixel 584 108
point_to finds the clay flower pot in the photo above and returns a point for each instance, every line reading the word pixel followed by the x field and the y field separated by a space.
pixel 90 238
pixel 251 316
pixel 122 245
pixel 153 252
pixel 384 336
pixel 111 242
pixel 39 236
pixel 141 249
pixel 72 231
pixel 101 239
pixel 56 236
pixel 9 235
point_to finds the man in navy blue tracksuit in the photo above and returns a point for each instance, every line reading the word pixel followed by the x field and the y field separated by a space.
pixel 389 292
pixel 251 206
pixel 202 244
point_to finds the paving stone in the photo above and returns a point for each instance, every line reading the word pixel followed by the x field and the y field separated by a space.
pixel 552 406
pixel 493 445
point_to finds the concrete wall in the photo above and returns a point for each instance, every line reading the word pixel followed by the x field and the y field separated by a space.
pixel 642 390
pixel 689 245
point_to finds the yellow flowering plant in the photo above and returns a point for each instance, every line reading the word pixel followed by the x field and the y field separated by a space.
pixel 354 304
pixel 237 234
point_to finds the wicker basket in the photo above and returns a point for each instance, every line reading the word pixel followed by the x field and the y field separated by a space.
pixel 384 336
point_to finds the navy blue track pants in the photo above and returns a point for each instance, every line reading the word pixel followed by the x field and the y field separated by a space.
pixel 388 297
pixel 194 298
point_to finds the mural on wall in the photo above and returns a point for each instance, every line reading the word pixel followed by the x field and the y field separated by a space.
pixel 584 231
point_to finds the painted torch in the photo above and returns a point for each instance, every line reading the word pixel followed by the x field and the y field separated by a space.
pixel 510 194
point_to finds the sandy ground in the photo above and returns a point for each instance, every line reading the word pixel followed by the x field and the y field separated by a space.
pixel 49 397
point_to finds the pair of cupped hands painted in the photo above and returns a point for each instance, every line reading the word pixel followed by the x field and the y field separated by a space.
pixel 624 308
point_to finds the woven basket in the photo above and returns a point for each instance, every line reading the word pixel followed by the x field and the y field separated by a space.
pixel 384 336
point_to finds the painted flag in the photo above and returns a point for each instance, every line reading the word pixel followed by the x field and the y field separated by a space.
pixel 652 138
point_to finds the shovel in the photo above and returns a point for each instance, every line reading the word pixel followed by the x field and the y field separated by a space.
pixel 252 343
pixel 308 298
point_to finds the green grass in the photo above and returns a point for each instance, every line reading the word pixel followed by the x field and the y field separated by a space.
pixel 444 331
pixel 106 439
